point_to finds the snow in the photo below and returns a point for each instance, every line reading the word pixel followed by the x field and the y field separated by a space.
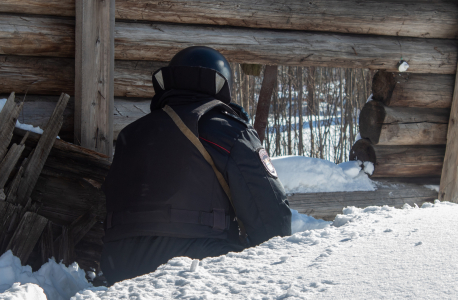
pixel 371 253
pixel 403 66
pixel 28 127
pixel 25 291
pixel 301 174
pixel 56 280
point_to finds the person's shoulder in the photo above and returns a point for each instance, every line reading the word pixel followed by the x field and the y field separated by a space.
pixel 220 121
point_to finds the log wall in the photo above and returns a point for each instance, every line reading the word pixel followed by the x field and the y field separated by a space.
pixel 395 18
pixel 404 128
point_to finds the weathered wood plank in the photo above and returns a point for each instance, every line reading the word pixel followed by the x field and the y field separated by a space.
pixel 46 243
pixel 400 161
pixel 44 145
pixel 327 205
pixel 449 180
pixel 8 117
pixel 385 125
pixel 94 70
pixel 139 41
pixel 429 19
pixel 10 160
pixel 81 226
pixel 52 76
pixel 413 90
pixel 26 235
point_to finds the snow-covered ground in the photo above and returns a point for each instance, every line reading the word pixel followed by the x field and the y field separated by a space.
pixel 372 253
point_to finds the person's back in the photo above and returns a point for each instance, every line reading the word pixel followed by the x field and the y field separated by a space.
pixel 164 199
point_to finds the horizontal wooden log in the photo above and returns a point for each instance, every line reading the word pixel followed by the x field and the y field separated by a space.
pixel 385 125
pixel 400 161
pixel 397 18
pixel 52 76
pixel 327 205
pixel 262 46
pixel 413 90
pixel 159 42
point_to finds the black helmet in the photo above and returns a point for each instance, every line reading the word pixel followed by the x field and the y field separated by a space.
pixel 206 57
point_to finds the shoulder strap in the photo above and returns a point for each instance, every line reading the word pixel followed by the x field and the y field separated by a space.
pixel 196 142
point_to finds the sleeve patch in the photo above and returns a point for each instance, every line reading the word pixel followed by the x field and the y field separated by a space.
pixel 267 162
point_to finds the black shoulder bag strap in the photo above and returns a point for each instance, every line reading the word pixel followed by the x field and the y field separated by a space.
pixel 196 142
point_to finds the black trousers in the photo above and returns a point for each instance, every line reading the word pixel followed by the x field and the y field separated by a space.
pixel 132 257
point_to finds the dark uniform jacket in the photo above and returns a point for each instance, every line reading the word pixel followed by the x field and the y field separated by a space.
pixel 160 185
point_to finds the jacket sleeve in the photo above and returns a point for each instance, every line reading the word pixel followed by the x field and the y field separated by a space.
pixel 258 197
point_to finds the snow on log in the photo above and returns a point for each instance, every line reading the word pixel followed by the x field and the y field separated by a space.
pixel 400 161
pixel 51 76
pixel 398 18
pixel 38 108
pixel 327 205
pixel 45 36
pixel 413 90
pixel 385 125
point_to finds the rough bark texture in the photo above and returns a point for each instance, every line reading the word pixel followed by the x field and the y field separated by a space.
pixel 138 41
pixel 397 18
pixel 385 125
pixel 413 90
pixel 449 181
pixel 400 161
pixel 327 205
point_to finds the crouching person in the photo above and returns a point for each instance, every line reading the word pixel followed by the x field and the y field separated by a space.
pixel 191 178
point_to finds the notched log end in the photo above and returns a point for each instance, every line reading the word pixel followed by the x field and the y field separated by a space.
pixel 363 151
pixel 371 120
pixel 383 85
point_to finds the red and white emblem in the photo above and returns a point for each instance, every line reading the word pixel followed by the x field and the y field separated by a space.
pixel 267 162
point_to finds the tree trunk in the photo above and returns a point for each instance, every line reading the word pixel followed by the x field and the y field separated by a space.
pixel 262 110
pixel 385 125
pixel 400 161
pixel 299 104
pixel 413 90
